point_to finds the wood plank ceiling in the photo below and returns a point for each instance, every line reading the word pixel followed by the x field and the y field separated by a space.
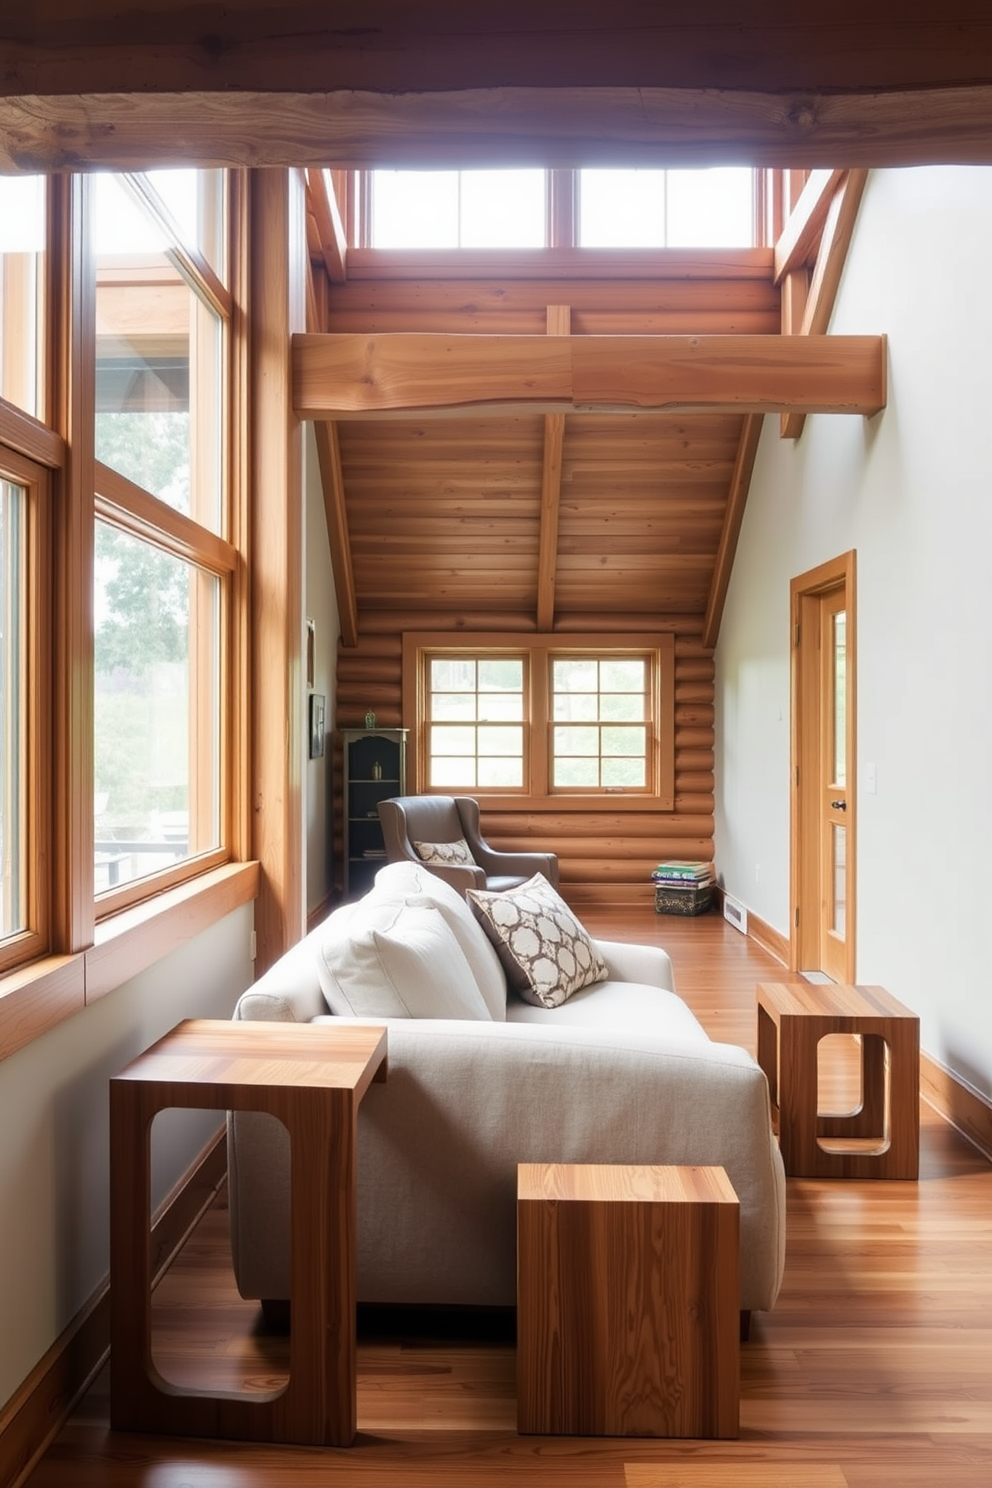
pixel 550 515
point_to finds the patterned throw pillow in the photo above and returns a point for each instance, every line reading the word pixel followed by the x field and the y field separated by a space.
pixel 452 854
pixel 545 952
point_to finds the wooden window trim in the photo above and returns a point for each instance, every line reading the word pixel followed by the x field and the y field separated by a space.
pixel 35 481
pixel 36 998
pixel 536 648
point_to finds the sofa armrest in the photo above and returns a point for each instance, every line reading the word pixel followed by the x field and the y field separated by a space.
pixel 637 963
pixel 290 991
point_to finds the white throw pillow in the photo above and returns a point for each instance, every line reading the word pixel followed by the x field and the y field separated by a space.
pixel 398 961
pixel 451 854
pixel 409 883
pixel 545 952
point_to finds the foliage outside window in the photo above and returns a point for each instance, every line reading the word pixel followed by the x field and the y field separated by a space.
pixel 544 720
pixel 25 644
pixel 162 566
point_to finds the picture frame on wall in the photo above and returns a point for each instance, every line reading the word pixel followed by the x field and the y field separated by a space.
pixel 316 725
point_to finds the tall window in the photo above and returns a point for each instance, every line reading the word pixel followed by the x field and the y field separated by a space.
pixel 162 564
pixel 543 719
pixel 25 647
pixel 22 298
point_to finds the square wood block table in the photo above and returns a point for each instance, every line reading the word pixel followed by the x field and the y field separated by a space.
pixel 881 1137
pixel 628 1297
pixel 312 1078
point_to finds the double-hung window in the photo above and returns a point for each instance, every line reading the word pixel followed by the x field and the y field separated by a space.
pixel 162 561
pixel 554 718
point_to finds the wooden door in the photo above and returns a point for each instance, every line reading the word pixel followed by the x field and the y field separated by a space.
pixel 824 801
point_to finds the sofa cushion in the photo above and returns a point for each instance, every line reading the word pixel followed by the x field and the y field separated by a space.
pixel 445 852
pixel 545 952
pixel 408 883
pixel 398 961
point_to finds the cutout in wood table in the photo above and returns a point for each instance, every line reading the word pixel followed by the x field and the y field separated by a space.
pixel 312 1080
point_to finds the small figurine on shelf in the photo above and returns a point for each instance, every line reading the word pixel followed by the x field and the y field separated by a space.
pixel 376 771
pixel 370 719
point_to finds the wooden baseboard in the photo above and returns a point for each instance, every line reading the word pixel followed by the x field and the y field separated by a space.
pixel 36 1412
pixel 967 1110
pixel 768 938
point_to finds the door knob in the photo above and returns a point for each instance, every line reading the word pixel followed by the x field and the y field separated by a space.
pixel 838 805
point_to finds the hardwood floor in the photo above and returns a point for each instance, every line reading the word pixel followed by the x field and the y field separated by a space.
pixel 873 1371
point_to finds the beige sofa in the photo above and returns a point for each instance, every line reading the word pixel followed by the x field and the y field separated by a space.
pixel 620 1072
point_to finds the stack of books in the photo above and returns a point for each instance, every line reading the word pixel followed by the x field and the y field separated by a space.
pixel 684 888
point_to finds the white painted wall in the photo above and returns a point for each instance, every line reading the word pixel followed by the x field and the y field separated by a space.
pixel 322 608
pixel 54 1136
pixel 911 491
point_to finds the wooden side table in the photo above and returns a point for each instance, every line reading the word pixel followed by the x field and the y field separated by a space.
pixel 312 1079
pixel 881 1139
pixel 628 1296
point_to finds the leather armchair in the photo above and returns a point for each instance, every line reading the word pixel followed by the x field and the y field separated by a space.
pixel 409 819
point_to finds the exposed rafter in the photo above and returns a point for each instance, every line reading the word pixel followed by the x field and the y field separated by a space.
pixel 740 485
pixel 804 227
pixel 838 228
pixel 355 376
pixel 332 480
pixel 559 324
pixel 330 228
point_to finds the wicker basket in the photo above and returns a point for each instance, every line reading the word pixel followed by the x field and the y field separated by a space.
pixel 671 899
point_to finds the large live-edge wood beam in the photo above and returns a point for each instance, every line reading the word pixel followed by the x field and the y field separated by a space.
pixel 559 324
pixel 838 230
pixel 580 126
pixel 336 515
pixel 795 246
pixel 360 375
pixel 740 485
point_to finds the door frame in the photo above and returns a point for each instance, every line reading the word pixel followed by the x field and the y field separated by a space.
pixel 806 725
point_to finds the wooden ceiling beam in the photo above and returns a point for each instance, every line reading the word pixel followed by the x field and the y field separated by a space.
pixel 336 514
pixel 505 126
pixel 825 281
pixel 559 324
pixel 355 376
pixel 740 485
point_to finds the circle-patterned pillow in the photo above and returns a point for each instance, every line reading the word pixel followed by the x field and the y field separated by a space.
pixel 545 952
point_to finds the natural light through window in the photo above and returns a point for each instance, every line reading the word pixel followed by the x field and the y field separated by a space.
pixel 22 292
pixel 666 208
pixel 475 723
pixel 12 772
pixel 458 209
pixel 600 713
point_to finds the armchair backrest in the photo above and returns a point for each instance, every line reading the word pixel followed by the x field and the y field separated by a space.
pixel 409 819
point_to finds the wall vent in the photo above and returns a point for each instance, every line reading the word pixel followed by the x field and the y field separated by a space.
pixel 736 913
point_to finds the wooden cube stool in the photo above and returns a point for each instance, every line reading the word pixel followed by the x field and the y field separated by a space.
pixel 881 1138
pixel 628 1297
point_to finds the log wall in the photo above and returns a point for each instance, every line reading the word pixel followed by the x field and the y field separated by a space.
pixel 605 856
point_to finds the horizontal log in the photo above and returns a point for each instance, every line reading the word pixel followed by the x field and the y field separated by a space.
pixel 566 827
pixel 381 694
pixel 690 692
pixel 693 762
pixel 635 895
pixel 355 376
pixel 352 715
pixel 687 670
pixel 693 738
pixel 590 870
pixel 701 715
pixel 112 114
pixel 358 667
pixel 470 320
pixel 690 782
pixel 452 282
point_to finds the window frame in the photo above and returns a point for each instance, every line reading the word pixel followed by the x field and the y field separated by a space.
pixel 36 728
pixel 134 510
pixel 538 650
